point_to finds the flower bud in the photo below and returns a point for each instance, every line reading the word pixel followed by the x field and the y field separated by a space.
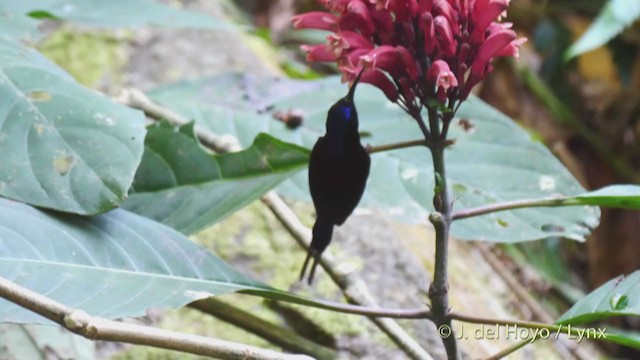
pixel 315 20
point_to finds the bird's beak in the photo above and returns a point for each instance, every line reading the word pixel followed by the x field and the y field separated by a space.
pixel 352 90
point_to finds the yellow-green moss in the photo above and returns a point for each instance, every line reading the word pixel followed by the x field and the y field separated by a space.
pixel 87 56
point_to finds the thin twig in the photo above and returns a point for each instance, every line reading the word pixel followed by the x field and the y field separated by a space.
pixel 423 127
pixel 511 349
pixel 400 145
pixel 353 288
pixel 512 205
pixel 405 144
pixel 275 334
pixel 370 311
pixel 449 120
pixel 138 100
pixel 94 328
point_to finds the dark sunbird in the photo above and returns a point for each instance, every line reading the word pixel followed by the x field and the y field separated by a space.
pixel 338 171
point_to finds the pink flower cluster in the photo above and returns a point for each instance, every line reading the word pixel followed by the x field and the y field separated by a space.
pixel 413 50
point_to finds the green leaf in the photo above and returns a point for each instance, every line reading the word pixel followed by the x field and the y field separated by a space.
pixel 618 196
pixel 41 14
pixel 620 296
pixel 493 160
pixel 108 14
pixel 63 146
pixel 111 265
pixel 612 20
pixel 623 337
pixel 182 186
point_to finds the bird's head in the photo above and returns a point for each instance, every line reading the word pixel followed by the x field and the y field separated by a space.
pixel 343 117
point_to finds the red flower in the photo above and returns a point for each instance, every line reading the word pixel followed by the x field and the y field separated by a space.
pixel 414 49
pixel 316 20
pixel 440 74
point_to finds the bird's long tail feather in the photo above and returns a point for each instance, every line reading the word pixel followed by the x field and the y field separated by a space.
pixel 322 233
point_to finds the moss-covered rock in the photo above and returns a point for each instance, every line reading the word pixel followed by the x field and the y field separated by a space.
pixel 93 58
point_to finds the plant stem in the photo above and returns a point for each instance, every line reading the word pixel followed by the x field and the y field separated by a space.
pixel 370 311
pixel 510 350
pixel 405 144
pixel 441 220
pixel 423 127
pixel 552 328
pixel 517 204
pixel 515 323
pixel 269 331
pixel 400 145
pixel 94 328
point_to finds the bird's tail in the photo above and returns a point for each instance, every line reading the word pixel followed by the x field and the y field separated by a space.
pixel 322 233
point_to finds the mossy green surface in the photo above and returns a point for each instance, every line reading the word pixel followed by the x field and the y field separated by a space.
pixel 90 57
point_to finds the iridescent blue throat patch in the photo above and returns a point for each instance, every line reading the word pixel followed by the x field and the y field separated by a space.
pixel 346 112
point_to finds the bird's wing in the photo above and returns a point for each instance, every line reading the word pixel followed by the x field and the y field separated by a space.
pixel 356 172
pixel 322 182
pixel 337 184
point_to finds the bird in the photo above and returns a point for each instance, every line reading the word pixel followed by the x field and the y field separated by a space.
pixel 338 171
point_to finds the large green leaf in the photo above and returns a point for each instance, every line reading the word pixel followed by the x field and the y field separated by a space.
pixel 619 296
pixel 111 265
pixel 101 13
pixel 492 161
pixel 612 20
pixel 182 186
pixel 63 146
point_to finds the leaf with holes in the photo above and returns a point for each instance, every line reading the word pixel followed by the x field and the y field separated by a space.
pixel 182 186
pixel 100 13
pixel 493 160
pixel 618 297
pixel 63 146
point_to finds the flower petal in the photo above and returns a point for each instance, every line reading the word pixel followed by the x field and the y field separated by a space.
pixel 315 20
